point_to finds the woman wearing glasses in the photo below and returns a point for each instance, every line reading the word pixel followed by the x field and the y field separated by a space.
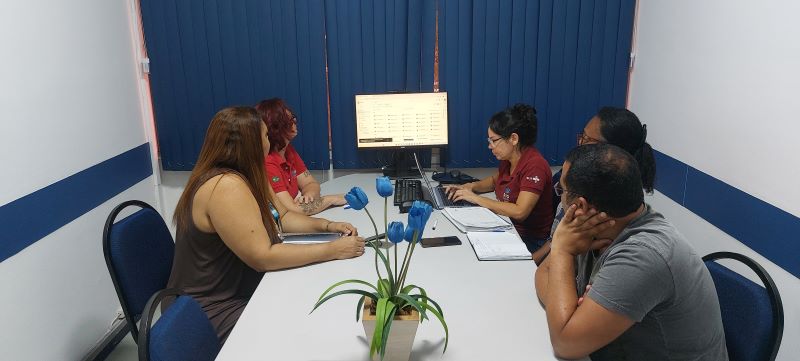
pixel 620 127
pixel 293 184
pixel 522 184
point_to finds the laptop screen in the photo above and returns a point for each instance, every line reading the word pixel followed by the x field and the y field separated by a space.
pixel 427 182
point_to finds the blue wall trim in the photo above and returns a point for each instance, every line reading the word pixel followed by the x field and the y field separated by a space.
pixel 768 230
pixel 34 216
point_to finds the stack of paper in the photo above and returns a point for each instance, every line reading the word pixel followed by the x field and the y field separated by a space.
pixel 476 219
pixel 498 246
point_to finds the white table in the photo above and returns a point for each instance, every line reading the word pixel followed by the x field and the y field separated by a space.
pixel 491 308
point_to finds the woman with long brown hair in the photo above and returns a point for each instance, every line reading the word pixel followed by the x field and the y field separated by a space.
pixel 227 235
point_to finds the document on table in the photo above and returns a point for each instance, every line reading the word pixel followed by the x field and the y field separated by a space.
pixel 498 246
pixel 470 219
pixel 309 238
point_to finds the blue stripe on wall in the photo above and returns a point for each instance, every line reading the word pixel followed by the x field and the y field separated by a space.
pixel 766 229
pixel 34 216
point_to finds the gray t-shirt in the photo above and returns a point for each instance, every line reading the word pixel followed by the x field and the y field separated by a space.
pixel 651 275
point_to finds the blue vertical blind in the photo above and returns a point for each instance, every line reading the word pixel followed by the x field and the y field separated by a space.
pixel 208 55
pixel 565 57
pixel 374 47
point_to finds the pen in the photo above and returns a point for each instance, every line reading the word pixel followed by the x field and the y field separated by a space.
pixel 435 223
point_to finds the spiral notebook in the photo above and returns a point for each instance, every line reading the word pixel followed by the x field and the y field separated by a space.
pixel 498 246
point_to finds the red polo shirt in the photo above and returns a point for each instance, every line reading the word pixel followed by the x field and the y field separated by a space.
pixel 282 171
pixel 531 175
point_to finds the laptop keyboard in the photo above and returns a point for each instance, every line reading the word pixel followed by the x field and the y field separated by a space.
pixel 446 202
pixel 407 190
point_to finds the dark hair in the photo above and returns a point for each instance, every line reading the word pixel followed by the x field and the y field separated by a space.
pixel 606 176
pixel 273 114
pixel 520 119
pixel 622 128
pixel 232 145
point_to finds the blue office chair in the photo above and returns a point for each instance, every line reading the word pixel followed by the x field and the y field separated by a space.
pixel 182 333
pixel 138 251
pixel 752 315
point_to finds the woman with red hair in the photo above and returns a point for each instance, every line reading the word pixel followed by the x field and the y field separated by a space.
pixel 293 184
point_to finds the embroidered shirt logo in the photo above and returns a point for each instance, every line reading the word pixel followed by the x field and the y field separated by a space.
pixel 535 179
pixel 276 179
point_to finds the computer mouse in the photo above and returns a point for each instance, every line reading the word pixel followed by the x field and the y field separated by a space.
pixel 455 173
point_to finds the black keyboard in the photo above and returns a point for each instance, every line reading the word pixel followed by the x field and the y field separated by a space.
pixel 447 202
pixel 407 190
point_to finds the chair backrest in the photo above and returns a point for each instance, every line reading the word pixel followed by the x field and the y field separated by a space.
pixel 183 332
pixel 138 251
pixel 752 315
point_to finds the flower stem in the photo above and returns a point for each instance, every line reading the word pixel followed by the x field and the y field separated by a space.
pixel 373 222
pixel 405 260
pixel 386 232
pixel 375 243
pixel 406 266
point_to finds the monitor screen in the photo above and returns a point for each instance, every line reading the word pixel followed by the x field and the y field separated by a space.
pixel 401 120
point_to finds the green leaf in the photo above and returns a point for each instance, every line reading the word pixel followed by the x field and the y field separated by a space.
pixel 332 295
pixel 358 307
pixel 413 303
pixel 407 289
pixel 346 281
pixel 428 299
pixel 439 315
pixel 380 321
pixel 388 268
pixel 384 288
pixel 387 329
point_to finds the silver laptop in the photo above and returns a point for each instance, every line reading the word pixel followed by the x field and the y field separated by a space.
pixel 436 195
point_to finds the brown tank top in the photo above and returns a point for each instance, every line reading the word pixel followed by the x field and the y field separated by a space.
pixel 205 268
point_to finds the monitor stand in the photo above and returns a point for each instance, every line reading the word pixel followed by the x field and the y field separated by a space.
pixel 402 165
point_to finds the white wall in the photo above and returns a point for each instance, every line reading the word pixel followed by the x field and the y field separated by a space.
pixel 69 99
pixel 716 82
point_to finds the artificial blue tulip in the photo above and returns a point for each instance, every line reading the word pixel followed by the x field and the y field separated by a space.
pixel 395 232
pixel 419 214
pixel 384 186
pixel 356 198
pixel 409 235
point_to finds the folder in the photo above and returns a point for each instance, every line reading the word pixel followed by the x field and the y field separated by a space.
pixel 476 219
pixel 498 246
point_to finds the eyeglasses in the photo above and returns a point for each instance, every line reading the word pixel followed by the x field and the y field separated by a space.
pixel 585 139
pixel 493 141
pixel 560 190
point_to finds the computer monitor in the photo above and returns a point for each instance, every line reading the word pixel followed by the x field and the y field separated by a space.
pixel 401 121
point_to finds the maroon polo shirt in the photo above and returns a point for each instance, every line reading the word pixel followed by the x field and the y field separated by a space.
pixel 531 175
pixel 282 171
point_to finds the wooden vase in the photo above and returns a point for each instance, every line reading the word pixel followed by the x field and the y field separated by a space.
pixel 401 335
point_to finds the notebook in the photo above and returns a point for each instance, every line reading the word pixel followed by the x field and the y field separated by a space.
pixel 498 246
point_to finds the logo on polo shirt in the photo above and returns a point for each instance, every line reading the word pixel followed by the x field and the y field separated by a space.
pixel 276 179
pixel 535 179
